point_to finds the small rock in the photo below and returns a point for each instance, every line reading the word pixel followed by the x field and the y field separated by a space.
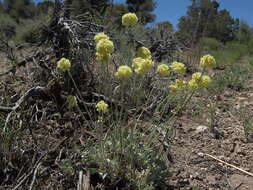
pixel 184 182
pixel 201 129
pixel 201 154
pixel 211 180
pixel 241 181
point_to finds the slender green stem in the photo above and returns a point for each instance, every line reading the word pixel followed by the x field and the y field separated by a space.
pixel 79 94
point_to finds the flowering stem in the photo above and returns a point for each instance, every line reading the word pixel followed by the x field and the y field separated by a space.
pixel 79 94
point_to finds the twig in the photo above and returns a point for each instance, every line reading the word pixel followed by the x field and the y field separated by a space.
pixel 86 181
pixel 34 176
pixel 30 173
pixel 35 91
pixel 248 173
pixel 80 181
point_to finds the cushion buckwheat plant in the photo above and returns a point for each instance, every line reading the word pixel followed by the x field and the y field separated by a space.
pixel 129 19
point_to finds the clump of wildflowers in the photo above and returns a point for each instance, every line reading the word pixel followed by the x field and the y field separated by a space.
pixel 199 81
pixel 163 70
pixel 129 19
pixel 72 102
pixel 124 72
pixel 142 66
pixel 102 107
pixel 63 64
pixel 178 67
pixel 207 61
pixel 144 53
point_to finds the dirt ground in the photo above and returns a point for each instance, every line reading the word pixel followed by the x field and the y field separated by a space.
pixel 193 169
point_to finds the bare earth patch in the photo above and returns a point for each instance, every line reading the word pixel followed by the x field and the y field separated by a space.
pixel 192 169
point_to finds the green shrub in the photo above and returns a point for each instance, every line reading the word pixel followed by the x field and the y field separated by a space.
pixel 29 30
pixel 208 44
pixel 7 26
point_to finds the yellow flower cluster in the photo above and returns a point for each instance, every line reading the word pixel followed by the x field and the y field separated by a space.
pixel 129 19
pixel 100 36
pixel 63 64
pixel 102 107
pixel 104 47
pixel 178 85
pixel 178 67
pixel 163 70
pixel 72 102
pixel 124 72
pixel 142 66
pixel 207 61
pixel 199 81
pixel 144 53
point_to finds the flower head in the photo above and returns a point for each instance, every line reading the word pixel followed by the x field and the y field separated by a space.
pixel 101 106
pixel 199 81
pixel 63 64
pixel 103 57
pixel 206 80
pixel 142 66
pixel 174 88
pixel 72 102
pixel 193 85
pixel 136 62
pixel 180 83
pixel 178 67
pixel 124 72
pixel 207 61
pixel 99 36
pixel 104 46
pixel 163 70
pixel 144 53
pixel 129 19
pixel 197 76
